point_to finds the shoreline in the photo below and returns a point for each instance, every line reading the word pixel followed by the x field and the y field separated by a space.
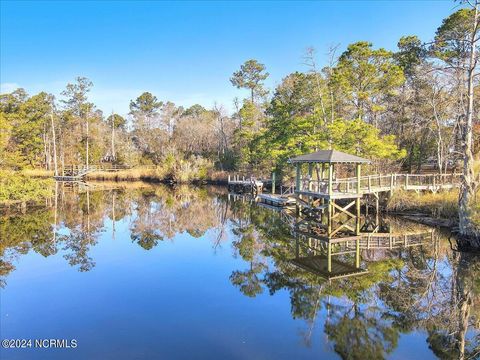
pixel 426 219
pixel 437 210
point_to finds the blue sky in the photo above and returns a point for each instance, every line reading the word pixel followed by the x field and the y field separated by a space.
pixel 185 52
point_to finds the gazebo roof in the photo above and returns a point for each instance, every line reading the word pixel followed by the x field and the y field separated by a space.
pixel 329 157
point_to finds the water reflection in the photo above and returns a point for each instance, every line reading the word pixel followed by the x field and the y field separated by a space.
pixel 363 299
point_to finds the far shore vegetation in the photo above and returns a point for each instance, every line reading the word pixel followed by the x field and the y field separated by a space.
pixel 409 110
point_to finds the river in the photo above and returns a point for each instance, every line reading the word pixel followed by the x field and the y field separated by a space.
pixel 152 272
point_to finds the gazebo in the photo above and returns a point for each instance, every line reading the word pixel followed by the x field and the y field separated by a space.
pixel 326 187
pixel 320 195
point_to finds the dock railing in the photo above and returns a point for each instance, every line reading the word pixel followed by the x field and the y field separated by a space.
pixel 381 182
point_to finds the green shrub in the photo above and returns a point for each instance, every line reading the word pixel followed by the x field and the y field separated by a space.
pixel 18 187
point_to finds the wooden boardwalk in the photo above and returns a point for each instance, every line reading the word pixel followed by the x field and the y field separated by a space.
pixel 374 184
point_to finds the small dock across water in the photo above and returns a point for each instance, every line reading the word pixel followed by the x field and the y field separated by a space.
pixel 277 200
pixel 241 185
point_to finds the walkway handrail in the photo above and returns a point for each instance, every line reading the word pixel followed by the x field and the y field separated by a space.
pixel 383 182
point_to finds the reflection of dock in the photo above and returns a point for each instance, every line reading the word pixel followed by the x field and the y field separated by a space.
pixel 317 257
pixel 318 264
pixel 375 240
pixel 315 253
pixel 329 242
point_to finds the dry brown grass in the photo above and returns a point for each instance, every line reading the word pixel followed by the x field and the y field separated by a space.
pixel 159 174
pixel 217 176
pixel 38 173
pixel 137 174
pixel 440 205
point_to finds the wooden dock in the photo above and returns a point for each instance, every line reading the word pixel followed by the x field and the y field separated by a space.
pixel 238 184
pixel 276 200
pixel 373 184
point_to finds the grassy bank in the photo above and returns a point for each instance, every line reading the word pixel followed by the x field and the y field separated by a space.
pixel 159 174
pixel 182 171
pixel 442 205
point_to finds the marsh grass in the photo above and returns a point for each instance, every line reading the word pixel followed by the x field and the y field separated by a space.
pixel 440 205
pixel 136 174
pixel 38 173
pixel 178 171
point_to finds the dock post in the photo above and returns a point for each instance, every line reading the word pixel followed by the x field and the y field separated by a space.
pixel 273 182
pixel 330 179
pixel 357 253
pixel 329 217
pixel 358 201
pixel 310 173
pixel 297 178
pixel 329 257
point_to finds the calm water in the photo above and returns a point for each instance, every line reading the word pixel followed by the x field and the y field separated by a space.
pixel 156 273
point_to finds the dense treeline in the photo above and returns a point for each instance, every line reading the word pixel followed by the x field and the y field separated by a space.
pixel 406 105
pixel 403 108
pixel 37 131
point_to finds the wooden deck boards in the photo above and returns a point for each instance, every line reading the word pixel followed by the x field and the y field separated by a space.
pixel 276 200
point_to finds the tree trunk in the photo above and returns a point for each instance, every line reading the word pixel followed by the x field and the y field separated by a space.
pixel 113 137
pixel 54 146
pixel 471 234
pixel 88 134
pixel 45 147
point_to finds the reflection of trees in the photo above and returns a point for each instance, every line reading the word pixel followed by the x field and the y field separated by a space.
pixel 73 220
pixel 161 213
pixel 246 246
pixel 438 290
pixel 426 288
pixel 430 288
pixel 248 281
pixel 89 206
pixel 77 245
pixel 21 232
pixel 361 333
